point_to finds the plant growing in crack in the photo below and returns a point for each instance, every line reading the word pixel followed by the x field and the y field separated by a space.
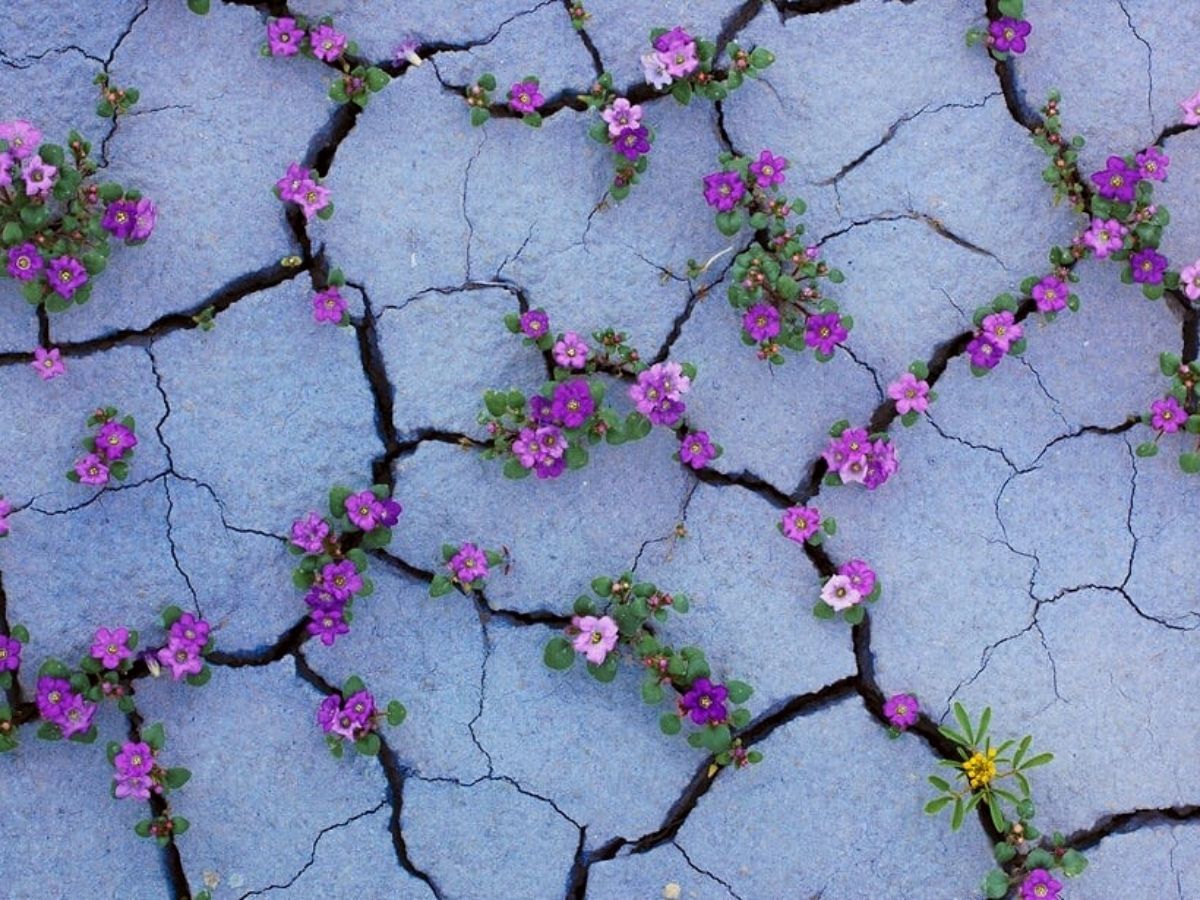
pixel 352 716
pixel 138 775
pixel 1170 414
pixel 856 457
pixel 846 590
pixel 1005 34
pixel 303 187
pixel 804 525
pixel 579 16
pixel 622 130
pixel 328 305
pixel 469 567
pixel 333 569
pixel 289 36
pixel 114 101
pixel 525 99
pixel 108 450
pixel 911 394
pixel 1029 864
pixel 687 66
pixel 55 221
pixel 189 641
pixel 618 624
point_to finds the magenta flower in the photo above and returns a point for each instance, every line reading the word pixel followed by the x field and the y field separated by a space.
pixel 723 190
pixel 66 275
pixel 910 393
pixel 675 39
pixel 145 214
pixel 309 533
pixel 527 448
pixel 109 647
pixel 10 654
pixel 39 176
pixel 1104 237
pixel 469 564
pixel 984 353
pixel 22 138
pixel 360 708
pixel 327 623
pixel 1008 35
pixel 328 712
pixel 632 142
pixel 1152 164
pixel 524 97
pixel 862 576
pixel 328 44
pixel 291 185
pixel 1050 294
pixel 183 660
pixel 6 164
pixel 681 61
pixel 188 631
pixel 92 470
pixel 391 512
pixel 1167 415
pixel 881 464
pixel 136 787
pixel 705 702
pixel 5 512
pixel 48 363
pixel 52 696
pixel 768 169
pixel 572 404
pixel 902 711
pixel 667 412
pixel 621 115
pixel 1040 885
pixel 1191 110
pixel 364 510
pixel 1189 280
pixel 761 321
pixel 76 716
pixel 113 439
pixel 25 262
pixel 284 36
pixel 406 51
pixel 550 467
pixel 852 445
pixel 328 306
pixel 1147 267
pixel 570 352
pixel 313 198
pixel 839 593
pixel 800 523
pixel 341 579
pixel 824 332
pixel 696 450
pixel 552 443
pixel 1117 181
pixel 134 758
pixel 670 376
pixel 596 638
pixel 118 219
pixel 1002 329
pixel 534 323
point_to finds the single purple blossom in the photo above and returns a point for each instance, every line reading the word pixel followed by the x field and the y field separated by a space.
pixel 1190 106
pixel 291 185
pixel 768 169
pixel 1008 34
pixel 1040 885
pixel 824 332
pixel 22 137
pixel 134 787
pixel 364 509
pixel 189 631
pixel 284 36
pixel 800 523
pixel 328 711
pixel 680 61
pixel 572 404
pixel 327 623
pixel 392 511
pixel 134 758
pixel 902 711
pixel 552 442
pixel 406 51
pixel 882 464
pixel 723 190
pixel 696 450
pixel 632 142
pixel 550 467
pixel 48 363
pixel 1152 164
pixel 313 198
pixel 309 533
pixel 66 275
pixel 360 707
pixel 1189 280
pixel 524 97
pixel 1105 236
pixel 674 39
pixel 25 262
pixel 1167 415
pixel 861 575
pixel 39 176
pixel 1117 181
pixel 76 716
pixel 705 702
pixel 328 306
pixel 92 470
pixel 668 412
pixel 319 598
pixel 839 593
pixel 535 323
pixel 469 564
pixel 596 639
pixel 113 440
pixel 655 71
pixel 118 219
pixel 540 410
pixel 145 214
pixel 570 351
pixel 984 353
pixel 341 579
pixel 621 115
pixel 52 695
pixel 761 321
pixel 527 448
pixel 6 164
pixel 1002 329
pixel 181 658
pixel 910 393
pixel 1050 294
pixel 328 44
pixel 10 652
pixel 110 647
pixel 1147 266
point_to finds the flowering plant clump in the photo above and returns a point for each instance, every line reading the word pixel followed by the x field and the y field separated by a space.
pixel 997 331
pixel 845 591
pixel 329 306
pixel 622 129
pixel 332 571
pixel 479 98
pixel 108 450
pixel 804 525
pixel 525 98
pixel 137 775
pixel 114 101
pixel 1170 414
pixel 1030 867
pixel 353 716
pixel 618 625
pixel 469 567
pixel 189 640
pixel 902 712
pixel 911 393
pixel 776 287
pixel 854 456
pixel 1004 35
pixel 686 65
pixel 55 223
pixel 289 36
pixel 10 660
pixel 303 187
pixel 549 432
pixel 1063 172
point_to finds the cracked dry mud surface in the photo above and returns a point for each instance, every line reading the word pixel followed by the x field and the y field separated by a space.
pixel 1032 562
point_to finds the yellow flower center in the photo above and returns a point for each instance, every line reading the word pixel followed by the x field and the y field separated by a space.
pixel 64 276
pixel 112 649
pixel 597 637
pixel 705 702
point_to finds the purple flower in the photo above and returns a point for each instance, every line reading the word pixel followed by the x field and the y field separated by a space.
pixel 1190 106
pixel 550 467
pixel 406 50
pixel 696 450
pixel 910 393
pixel 328 44
pixel 328 711
pixel 632 142
pixel 309 533
pixel 48 363
pixel 902 711
pixel 113 439
pixel 341 579
pixel 284 37
pixel 852 445
pixel 136 787
pixel 824 332
pixel 881 464
pixel 134 758
pixel 10 653
pixel 391 512
pixel 761 321
pixel 291 185
pixel 674 39
pixel 6 163
pixel 1051 294
pixel 800 523
pixel 539 410
pixel 25 262
pixel 327 623
pixel 723 190
pixel 1008 35
pixel 667 412
pixel 534 323
pixel 527 448
pixel 621 115
pixel 655 71
pixel 329 306
pixel 1117 181
pixel 572 403
pixel 1104 237
pixel 862 576
pixel 1147 266
pixel 360 708
pixel 1189 280
pixel 346 726
pixel 188 631
pixel 66 275
pixel 317 598
pixel 984 353
pixel 313 198
pixel 596 638
pixel 181 658
pixel 1002 329
pixel 52 696
pixel 118 219
pixel 768 169
pixel 469 563
pixel 839 593
pixel 76 716
pixel 552 443
pixel 680 61
pixel 21 136
pixel 705 702
pixel 570 352
pixel 110 647
pixel 1167 415
pixel 671 379
pixel 1152 164
pixel 1040 885
pixel 92 470
pixel 39 176
pixel 364 510
pixel 524 97
pixel 145 214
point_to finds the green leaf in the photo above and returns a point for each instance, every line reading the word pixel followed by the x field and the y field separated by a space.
pixel 1012 8
pixel 177 778
pixel 199 7
pixel 1022 749
pixel 368 744
pixel 440 586
pixel 171 615
pixel 180 825
pixel 956 819
pixel 142 828
pixel 682 91
pixel 854 615
pixel 997 816
pixel 201 678
pixel 479 115
pixel 669 723
pixel 835 430
pixel 940 783
pixel 487 81
pixel 353 685
pixel 602 587
pixel 1169 363
pixel 1073 863
pixel 729 223
pixel 652 692
pixel 606 671
pixel 935 806
pixel 995 885
pixel 1146 449
pixel 964 722
pixel 761 57
pixel 558 654
pixel 513 469
pixel 377 538
pixel 1004 852
pixel 337 501
pixel 377 79
pixel 21 633
pixel 739 691
pixel 1189 462
pixel 1040 760
pixel 1039 859
pixel 823 610
pixel 576 457
pixel 154 736
pixel 396 713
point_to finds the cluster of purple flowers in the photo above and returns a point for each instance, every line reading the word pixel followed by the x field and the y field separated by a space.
pixel 999 331
pixel 629 137
pixel 136 772
pixel 21 160
pixel 674 57
pixel 60 705
pixel 303 187
pixel 109 450
pixel 730 188
pixel 130 220
pixel 287 37
pixel 855 456
pixel 658 393
pixel 351 719
pixel 188 639
pixel 845 591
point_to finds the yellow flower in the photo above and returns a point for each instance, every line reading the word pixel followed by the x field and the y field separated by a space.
pixel 980 769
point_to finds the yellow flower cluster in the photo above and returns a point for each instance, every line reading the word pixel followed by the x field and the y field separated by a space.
pixel 980 769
